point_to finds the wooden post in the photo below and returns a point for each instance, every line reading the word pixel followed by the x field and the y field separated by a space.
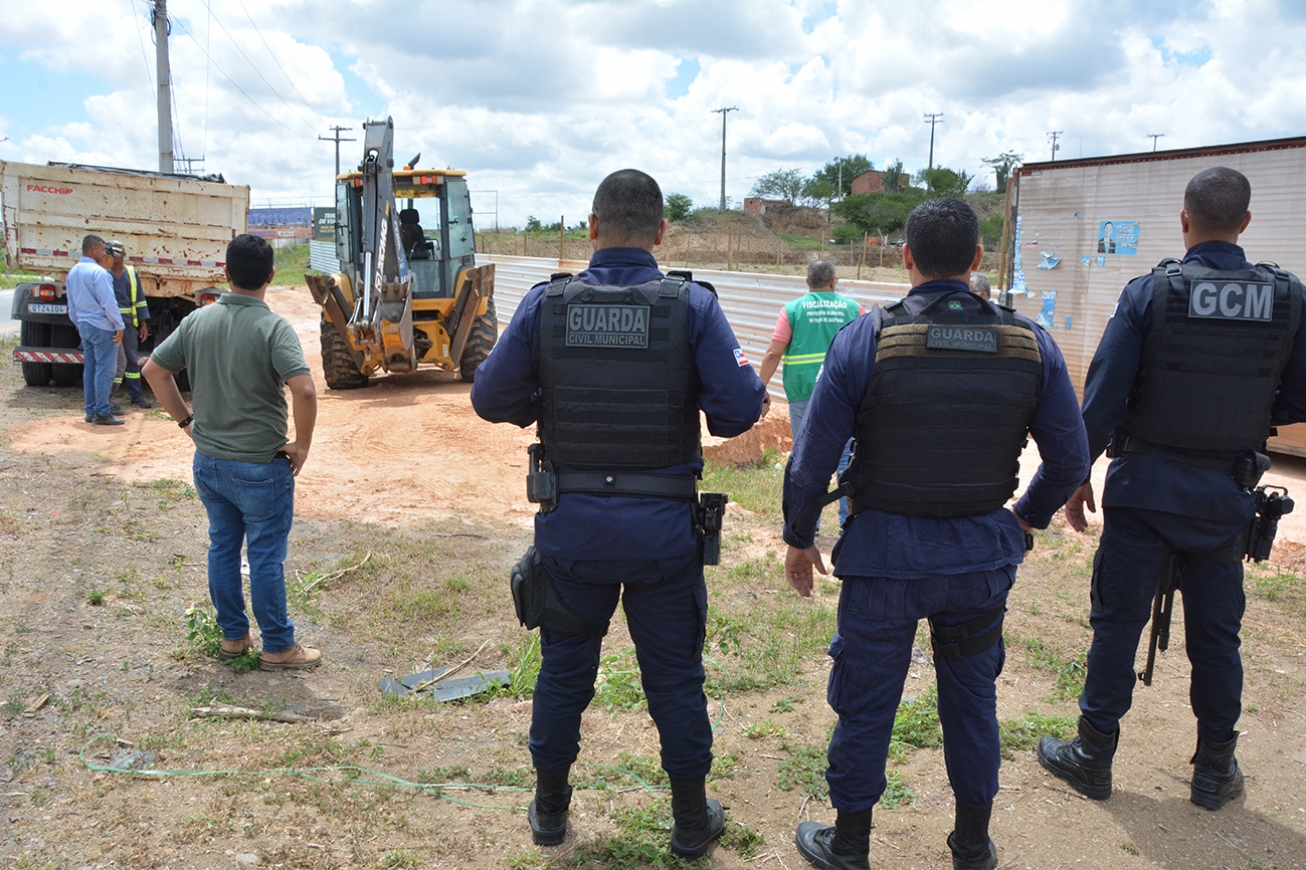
pixel 862 260
pixel 730 248
pixel 1006 236
pixel 562 237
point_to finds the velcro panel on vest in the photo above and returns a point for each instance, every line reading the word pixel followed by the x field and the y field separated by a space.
pixel 940 431
pixel 1212 360
pixel 620 385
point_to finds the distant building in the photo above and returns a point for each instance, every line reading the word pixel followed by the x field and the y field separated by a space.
pixel 870 181
pixel 757 205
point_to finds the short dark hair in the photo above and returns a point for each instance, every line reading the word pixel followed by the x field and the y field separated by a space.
pixel 249 261
pixel 628 206
pixel 1216 200
pixel 942 234
pixel 89 242
pixel 820 273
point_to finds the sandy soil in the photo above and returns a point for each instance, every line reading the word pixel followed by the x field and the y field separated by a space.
pixel 405 471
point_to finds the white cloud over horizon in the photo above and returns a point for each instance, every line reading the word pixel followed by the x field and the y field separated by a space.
pixel 539 99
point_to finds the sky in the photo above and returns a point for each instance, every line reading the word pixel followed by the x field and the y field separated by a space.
pixel 537 100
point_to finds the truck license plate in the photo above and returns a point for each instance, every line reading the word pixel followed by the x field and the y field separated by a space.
pixel 43 308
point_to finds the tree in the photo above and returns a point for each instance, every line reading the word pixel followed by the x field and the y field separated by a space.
pixel 782 183
pixel 533 224
pixel 942 181
pixel 1002 166
pixel 838 174
pixel 678 207
pixel 879 214
pixel 819 192
pixel 894 177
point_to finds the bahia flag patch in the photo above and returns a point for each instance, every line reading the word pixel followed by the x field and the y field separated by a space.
pixel 740 358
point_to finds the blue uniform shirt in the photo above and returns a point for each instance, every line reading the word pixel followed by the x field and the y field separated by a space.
pixel 90 296
pixel 880 544
pixel 1158 482
pixel 602 528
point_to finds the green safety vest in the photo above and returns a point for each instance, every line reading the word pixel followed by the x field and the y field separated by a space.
pixel 814 319
pixel 135 300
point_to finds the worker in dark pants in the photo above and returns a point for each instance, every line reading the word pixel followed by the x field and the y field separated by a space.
pixel 1198 361
pixel 614 365
pixel 135 314
pixel 939 391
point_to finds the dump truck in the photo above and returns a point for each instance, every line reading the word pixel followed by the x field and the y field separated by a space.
pixel 406 296
pixel 175 229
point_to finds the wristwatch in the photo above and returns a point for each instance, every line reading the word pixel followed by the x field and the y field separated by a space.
pixel 190 418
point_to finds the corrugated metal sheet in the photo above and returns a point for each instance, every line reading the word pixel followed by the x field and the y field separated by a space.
pixel 322 257
pixel 1061 208
pixel 751 301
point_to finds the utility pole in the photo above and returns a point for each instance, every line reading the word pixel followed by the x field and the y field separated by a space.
pixel 723 112
pixel 190 163
pixel 1053 135
pixel 336 139
pixel 1154 137
pixel 932 118
pixel 159 17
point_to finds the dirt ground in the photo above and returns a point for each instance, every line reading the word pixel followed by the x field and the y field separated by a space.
pixel 409 513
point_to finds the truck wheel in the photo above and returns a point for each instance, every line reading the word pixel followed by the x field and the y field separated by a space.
pixel 485 332
pixel 65 374
pixel 33 334
pixel 338 361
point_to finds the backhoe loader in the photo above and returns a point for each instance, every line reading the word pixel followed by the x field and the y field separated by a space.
pixel 406 297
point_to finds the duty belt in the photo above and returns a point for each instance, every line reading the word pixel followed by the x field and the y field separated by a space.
pixel 628 483
pixel 1122 445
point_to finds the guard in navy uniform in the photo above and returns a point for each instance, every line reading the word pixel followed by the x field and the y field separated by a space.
pixel 940 391
pixel 614 366
pixel 1199 360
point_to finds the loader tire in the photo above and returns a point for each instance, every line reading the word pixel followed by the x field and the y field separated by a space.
pixel 67 337
pixel 485 332
pixel 33 334
pixel 338 361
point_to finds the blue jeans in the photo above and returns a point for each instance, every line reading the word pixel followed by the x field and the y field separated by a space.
pixel 254 502
pixel 99 362
pixel 872 655
pixel 797 410
pixel 666 611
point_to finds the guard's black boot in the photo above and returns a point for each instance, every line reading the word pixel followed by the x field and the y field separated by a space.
pixel 548 812
pixel 846 846
pixel 698 819
pixel 1216 777
pixel 1084 762
pixel 970 844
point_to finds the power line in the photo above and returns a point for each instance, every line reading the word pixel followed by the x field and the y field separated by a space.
pixel 257 71
pixel 1053 135
pixel 932 118
pixel 234 84
pixel 273 55
pixel 149 77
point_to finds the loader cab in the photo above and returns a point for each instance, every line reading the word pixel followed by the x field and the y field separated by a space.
pixel 435 227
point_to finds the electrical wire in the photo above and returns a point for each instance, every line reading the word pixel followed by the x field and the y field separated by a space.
pixel 274 60
pixel 145 58
pixel 235 85
pixel 208 33
pixel 259 72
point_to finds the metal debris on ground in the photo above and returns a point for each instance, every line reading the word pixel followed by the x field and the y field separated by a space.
pixel 433 685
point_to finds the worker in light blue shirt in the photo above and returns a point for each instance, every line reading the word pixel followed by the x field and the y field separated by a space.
pixel 93 309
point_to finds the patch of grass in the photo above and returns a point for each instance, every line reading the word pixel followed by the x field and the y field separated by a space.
pixel 95 598
pixel 618 684
pixel 13 707
pixel 786 704
pixel 174 489
pixel 516 777
pixel 523 667
pixel 896 793
pixel 765 728
pixel 637 769
pixel 204 635
pixel 916 724
pixel 1070 672
pixel 1129 847
pixel 1024 733
pixel 723 766
pixel 766 646
pixel 291 262
pixel 804 769
pixel 754 488
pixel 741 839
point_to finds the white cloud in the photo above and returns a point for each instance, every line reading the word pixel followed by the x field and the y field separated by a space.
pixel 538 99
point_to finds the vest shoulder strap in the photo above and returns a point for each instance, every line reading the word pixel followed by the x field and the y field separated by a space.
pixel 672 283
pixel 557 283
pixel 1286 282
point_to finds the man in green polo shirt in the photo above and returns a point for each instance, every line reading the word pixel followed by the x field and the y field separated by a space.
pixel 803 333
pixel 241 357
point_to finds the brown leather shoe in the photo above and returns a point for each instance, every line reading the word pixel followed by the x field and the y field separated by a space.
pixel 298 656
pixel 232 649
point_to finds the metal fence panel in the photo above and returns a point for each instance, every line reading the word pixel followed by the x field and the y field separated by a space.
pixel 322 257
pixel 751 300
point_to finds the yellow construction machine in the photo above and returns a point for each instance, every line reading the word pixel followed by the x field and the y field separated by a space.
pixel 406 297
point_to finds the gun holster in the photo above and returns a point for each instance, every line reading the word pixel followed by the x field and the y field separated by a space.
pixel 537 603
pixel 541 480
pixel 708 514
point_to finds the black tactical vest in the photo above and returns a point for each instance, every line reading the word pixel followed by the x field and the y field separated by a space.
pixel 1212 360
pixel 620 385
pixel 945 416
